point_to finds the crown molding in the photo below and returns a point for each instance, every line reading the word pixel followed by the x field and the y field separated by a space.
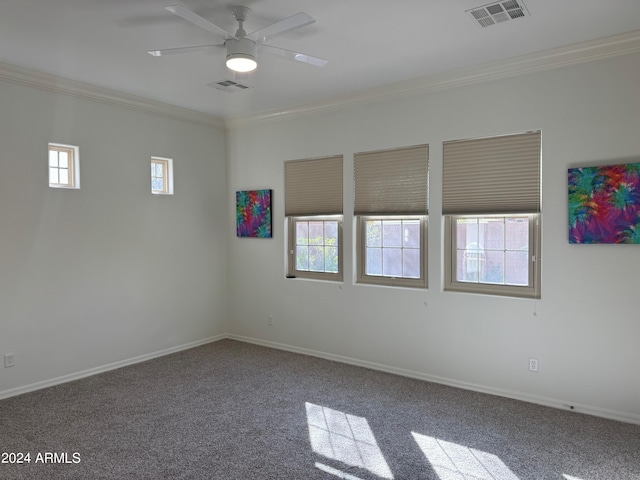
pixel 52 83
pixel 607 47
pixel 589 51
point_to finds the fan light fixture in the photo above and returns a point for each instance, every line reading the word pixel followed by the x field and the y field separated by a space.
pixel 241 55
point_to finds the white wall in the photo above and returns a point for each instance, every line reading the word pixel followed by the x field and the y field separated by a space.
pixel 110 272
pixel 584 330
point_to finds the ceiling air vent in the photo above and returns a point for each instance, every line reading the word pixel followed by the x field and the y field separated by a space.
pixel 229 86
pixel 499 12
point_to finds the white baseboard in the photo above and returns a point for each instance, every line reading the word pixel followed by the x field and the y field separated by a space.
pixel 105 368
pixel 525 397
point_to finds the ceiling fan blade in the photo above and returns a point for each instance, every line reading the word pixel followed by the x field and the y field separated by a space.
pixel 295 56
pixel 173 51
pixel 199 21
pixel 270 31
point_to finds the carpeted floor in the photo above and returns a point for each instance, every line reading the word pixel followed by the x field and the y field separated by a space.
pixel 231 410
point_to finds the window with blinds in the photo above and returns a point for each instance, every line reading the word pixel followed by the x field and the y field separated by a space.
pixel 391 207
pixel 313 208
pixel 491 201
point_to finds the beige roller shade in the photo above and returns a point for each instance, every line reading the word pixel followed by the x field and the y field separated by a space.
pixel 492 175
pixel 391 182
pixel 313 187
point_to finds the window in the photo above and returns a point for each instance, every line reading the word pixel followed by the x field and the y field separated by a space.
pixel 316 242
pixel 313 207
pixel 161 175
pixel 391 215
pixel 64 168
pixel 492 253
pixel 392 249
pixel 492 205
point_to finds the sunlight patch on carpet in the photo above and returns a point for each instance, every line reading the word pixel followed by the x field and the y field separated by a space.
pixel 335 472
pixel 345 438
pixel 457 462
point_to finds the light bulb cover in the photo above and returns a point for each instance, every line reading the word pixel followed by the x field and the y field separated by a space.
pixel 241 63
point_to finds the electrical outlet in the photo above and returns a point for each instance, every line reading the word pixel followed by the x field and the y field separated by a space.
pixel 9 360
pixel 270 320
pixel 533 364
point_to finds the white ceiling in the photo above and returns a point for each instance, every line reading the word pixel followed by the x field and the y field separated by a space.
pixel 369 44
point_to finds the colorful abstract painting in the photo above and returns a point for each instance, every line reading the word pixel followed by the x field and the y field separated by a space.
pixel 604 204
pixel 253 213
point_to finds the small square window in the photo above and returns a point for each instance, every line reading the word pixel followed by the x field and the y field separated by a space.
pixel 392 250
pixel 162 176
pixel 64 168
pixel 315 247
pixel 495 254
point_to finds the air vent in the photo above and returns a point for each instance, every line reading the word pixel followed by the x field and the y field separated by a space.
pixel 229 86
pixel 494 13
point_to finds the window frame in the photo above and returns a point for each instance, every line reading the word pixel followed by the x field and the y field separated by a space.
pixel 361 252
pixel 73 166
pixel 532 290
pixel 167 177
pixel 292 271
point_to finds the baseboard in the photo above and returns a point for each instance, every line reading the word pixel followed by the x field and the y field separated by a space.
pixel 515 395
pixel 105 368
pixel 549 402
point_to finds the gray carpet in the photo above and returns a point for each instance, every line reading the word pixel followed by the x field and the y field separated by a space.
pixel 231 410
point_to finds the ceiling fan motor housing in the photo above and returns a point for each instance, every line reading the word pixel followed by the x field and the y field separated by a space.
pixel 241 47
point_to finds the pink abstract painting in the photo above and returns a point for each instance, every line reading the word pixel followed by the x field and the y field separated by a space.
pixel 604 204
pixel 253 213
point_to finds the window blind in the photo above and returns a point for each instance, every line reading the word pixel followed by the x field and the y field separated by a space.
pixel 391 182
pixel 497 175
pixel 313 187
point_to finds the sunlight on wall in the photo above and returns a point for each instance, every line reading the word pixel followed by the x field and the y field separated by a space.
pixel 569 477
pixel 345 438
pixel 457 462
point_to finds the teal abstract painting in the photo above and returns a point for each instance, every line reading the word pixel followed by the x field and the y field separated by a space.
pixel 253 213
pixel 604 204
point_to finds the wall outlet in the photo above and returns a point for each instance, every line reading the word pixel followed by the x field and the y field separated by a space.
pixel 533 364
pixel 9 360
pixel 270 320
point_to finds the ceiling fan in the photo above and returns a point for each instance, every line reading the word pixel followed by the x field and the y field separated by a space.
pixel 242 48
